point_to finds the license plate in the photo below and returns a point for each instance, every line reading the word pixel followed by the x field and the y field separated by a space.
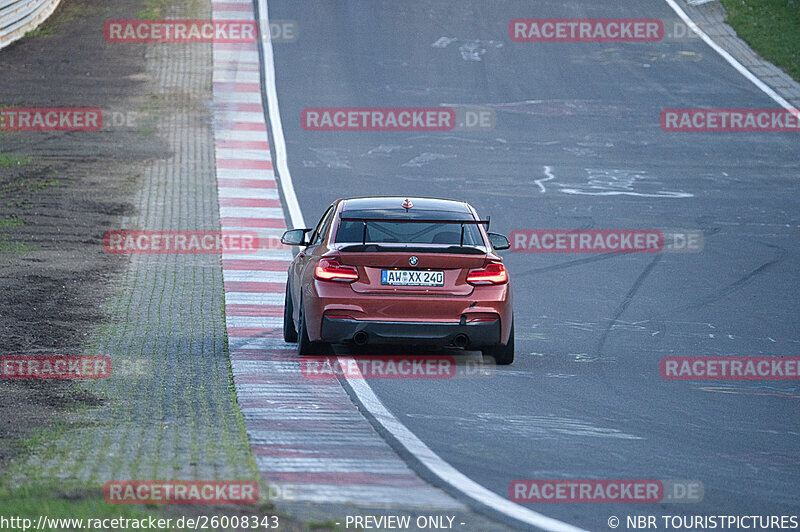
pixel 412 277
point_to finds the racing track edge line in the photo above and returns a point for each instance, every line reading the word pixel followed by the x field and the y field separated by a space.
pixel 436 470
pixel 732 60
pixel 273 117
pixel 362 394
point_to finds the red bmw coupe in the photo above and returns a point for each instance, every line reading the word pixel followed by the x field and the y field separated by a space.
pixel 394 270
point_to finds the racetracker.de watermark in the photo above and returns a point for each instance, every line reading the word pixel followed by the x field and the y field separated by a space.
pixel 605 241
pixel 180 31
pixel 587 241
pixel 730 368
pixel 378 119
pixel 676 30
pixel 586 30
pixel 730 120
pixel 282 31
pixel 180 492
pixel 50 119
pixel 389 367
pixel 184 242
pixel 21 119
pixel 605 491
pixel 55 367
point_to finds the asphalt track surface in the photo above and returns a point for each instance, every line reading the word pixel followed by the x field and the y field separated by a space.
pixel 577 145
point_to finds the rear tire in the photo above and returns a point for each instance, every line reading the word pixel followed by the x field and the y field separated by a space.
pixel 503 355
pixel 289 330
pixel 306 346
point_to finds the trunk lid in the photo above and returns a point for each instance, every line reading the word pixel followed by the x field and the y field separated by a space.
pixel 372 260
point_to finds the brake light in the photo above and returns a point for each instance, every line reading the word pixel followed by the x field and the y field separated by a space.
pixel 331 270
pixel 492 273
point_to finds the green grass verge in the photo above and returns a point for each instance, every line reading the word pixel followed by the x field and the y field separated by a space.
pixel 11 222
pixel 39 32
pixel 157 9
pixel 50 501
pixel 8 160
pixel 771 28
pixel 152 10
pixel 14 248
pixel 26 493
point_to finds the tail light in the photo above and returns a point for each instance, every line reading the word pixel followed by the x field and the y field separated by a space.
pixel 332 270
pixel 492 273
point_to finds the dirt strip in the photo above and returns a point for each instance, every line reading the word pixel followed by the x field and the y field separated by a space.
pixel 59 191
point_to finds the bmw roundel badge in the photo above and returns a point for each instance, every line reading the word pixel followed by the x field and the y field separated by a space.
pixel 413 260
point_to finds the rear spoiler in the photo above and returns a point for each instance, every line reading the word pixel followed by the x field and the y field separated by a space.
pixel 462 223
pixel 362 248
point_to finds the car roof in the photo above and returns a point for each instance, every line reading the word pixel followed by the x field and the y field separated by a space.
pixel 392 207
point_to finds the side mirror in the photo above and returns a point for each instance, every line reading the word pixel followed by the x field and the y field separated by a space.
pixel 499 241
pixel 295 237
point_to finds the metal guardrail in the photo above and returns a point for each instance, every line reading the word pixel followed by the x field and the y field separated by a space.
pixel 17 17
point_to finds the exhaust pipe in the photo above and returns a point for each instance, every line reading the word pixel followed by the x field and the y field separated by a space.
pixel 461 340
pixel 360 338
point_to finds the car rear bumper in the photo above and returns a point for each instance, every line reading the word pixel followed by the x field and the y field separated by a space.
pixel 476 334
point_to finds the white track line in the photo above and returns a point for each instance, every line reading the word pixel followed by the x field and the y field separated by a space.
pixel 279 142
pixel 730 59
pixel 400 432
pixel 442 469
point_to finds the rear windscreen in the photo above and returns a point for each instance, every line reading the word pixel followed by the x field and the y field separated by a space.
pixel 408 233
